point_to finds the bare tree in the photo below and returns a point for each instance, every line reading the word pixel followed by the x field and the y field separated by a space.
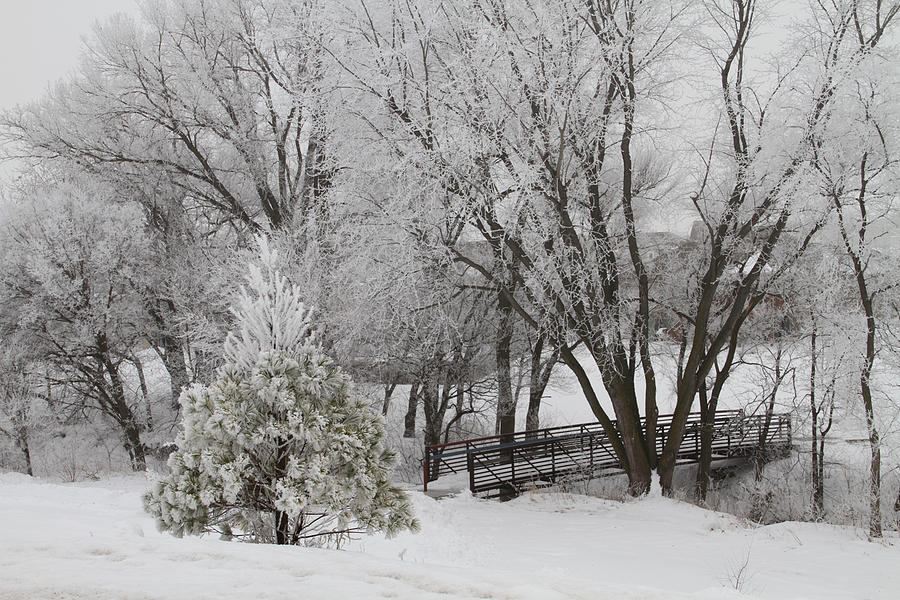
pixel 516 133
pixel 854 181
pixel 70 281
pixel 223 97
pixel 22 411
pixel 500 166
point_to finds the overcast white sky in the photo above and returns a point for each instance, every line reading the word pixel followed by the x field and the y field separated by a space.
pixel 40 41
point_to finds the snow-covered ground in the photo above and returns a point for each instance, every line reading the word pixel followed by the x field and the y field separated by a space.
pixel 93 540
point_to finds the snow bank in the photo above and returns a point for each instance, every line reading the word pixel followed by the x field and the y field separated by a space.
pixel 94 541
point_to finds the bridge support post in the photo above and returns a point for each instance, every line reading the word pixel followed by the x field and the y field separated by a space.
pixel 553 462
pixel 591 455
pixel 425 471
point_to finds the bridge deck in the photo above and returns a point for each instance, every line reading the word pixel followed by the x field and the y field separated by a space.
pixel 509 462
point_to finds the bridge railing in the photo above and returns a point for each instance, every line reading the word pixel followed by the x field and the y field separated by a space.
pixel 498 461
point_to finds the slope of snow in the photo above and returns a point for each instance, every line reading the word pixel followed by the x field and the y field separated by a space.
pixel 92 540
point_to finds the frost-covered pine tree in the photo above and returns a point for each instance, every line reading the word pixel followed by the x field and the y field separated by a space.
pixel 277 448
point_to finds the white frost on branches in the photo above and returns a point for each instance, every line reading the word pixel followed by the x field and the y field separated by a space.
pixel 270 315
pixel 277 448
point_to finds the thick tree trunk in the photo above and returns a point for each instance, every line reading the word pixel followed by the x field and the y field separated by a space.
pixel 409 421
pixel 533 415
pixel 172 356
pixel 622 395
pixel 113 402
pixel 135 447
pixel 29 468
pixel 506 402
pixel 626 435
pixel 388 392
pixel 434 416
pixel 170 349
pixel 666 464
pixel 460 408
pixel 282 528
pixel 707 418
pixel 25 446
pixel 145 394
pixel 506 405
pixel 435 400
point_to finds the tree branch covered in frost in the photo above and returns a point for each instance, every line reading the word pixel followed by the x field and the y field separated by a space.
pixel 271 315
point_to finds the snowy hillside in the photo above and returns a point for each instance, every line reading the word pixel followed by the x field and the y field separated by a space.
pixel 93 540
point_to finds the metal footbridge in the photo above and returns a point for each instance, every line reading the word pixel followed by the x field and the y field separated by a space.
pixel 512 462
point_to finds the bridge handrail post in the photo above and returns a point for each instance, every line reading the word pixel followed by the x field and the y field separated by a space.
pixel 591 454
pixel 552 461
pixel 425 470
pixel 470 466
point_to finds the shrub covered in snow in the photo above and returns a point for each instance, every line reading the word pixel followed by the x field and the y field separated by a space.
pixel 278 448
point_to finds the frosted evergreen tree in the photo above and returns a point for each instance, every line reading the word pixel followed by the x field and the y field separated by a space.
pixel 278 448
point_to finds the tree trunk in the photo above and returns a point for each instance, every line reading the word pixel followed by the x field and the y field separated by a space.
pixel 817 445
pixel 874 438
pixel 867 300
pixel 817 498
pixel 282 519
pixel 431 404
pixel 24 445
pixel 179 378
pixel 506 405
pixel 282 528
pixel 388 392
pixel 626 78
pixel 29 468
pixel 533 415
pixel 707 419
pixel 135 447
pixel 142 380
pixel 170 349
pixel 629 425
pixel 874 471
pixel 630 452
pixel 409 422
pixel 539 378
pixel 114 403
pixel 435 401
pixel 460 408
